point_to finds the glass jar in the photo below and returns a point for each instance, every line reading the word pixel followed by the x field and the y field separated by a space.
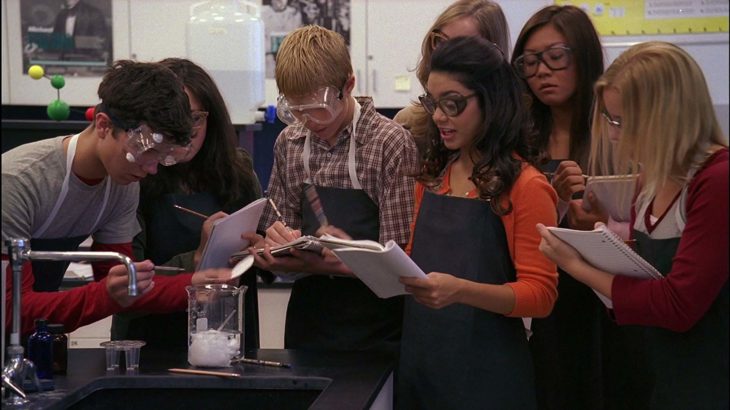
pixel 215 324
pixel 60 348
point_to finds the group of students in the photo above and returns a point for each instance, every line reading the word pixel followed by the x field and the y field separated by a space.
pixel 466 180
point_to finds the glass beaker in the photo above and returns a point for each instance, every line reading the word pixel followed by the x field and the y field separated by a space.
pixel 215 324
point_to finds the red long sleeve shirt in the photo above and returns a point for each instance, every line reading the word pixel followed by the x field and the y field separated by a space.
pixel 699 268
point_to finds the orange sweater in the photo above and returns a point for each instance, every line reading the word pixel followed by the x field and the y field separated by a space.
pixel 533 200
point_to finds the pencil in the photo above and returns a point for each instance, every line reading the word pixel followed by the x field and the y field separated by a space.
pixel 190 211
pixel 261 362
pixel 169 268
pixel 278 214
pixel 204 372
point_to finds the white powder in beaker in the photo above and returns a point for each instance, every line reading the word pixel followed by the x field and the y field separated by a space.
pixel 213 348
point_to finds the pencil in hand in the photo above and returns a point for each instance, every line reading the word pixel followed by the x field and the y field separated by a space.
pixel 191 212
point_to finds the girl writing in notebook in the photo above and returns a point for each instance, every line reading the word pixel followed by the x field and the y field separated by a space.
pixel 559 57
pixel 464 344
pixel 680 221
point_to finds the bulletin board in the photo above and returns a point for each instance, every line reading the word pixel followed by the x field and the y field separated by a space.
pixel 652 17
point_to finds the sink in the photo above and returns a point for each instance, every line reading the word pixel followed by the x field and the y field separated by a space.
pixel 160 392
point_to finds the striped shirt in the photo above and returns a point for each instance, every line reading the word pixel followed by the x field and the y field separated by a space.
pixel 385 153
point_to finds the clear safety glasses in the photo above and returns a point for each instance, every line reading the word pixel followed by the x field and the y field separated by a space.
pixel 145 147
pixel 320 107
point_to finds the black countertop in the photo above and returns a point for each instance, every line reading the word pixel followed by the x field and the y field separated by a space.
pixel 316 380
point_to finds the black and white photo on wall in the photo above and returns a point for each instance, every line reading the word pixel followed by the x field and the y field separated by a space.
pixel 280 17
pixel 69 37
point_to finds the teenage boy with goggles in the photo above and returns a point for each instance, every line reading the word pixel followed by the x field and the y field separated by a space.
pixel 59 191
pixel 358 160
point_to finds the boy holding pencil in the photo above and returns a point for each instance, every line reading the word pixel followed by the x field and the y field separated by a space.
pixel 355 161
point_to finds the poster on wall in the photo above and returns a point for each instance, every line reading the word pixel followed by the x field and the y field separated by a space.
pixel 651 17
pixel 280 17
pixel 69 37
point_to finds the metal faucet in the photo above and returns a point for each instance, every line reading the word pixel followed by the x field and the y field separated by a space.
pixel 19 252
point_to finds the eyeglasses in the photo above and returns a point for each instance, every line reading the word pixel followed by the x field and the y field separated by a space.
pixel 555 58
pixel 452 104
pixel 615 123
pixel 437 37
pixel 199 118
pixel 320 107
pixel 146 147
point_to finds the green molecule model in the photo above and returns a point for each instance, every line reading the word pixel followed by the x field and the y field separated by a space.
pixel 57 110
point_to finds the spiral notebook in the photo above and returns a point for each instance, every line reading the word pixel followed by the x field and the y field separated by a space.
pixel 607 251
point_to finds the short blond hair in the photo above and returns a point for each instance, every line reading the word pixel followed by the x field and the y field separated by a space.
pixel 312 57
pixel 668 119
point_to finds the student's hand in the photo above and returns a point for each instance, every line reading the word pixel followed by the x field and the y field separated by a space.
pixel 579 218
pixel 117 282
pixel 438 291
pixel 325 263
pixel 213 276
pixel 205 234
pixel 558 251
pixel 279 234
pixel 333 231
pixel 568 180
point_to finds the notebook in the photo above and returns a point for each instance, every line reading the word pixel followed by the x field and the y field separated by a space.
pixel 225 237
pixel 613 192
pixel 378 266
pixel 607 251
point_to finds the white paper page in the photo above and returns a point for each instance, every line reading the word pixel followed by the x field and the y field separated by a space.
pixel 225 239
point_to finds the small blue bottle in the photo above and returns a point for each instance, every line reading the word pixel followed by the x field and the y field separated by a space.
pixel 40 349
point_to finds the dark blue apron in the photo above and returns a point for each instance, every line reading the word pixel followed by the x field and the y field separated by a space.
pixel 48 275
pixel 340 313
pixel 461 357
pixel 566 345
pixel 691 368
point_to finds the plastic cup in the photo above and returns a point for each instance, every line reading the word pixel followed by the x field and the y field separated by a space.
pixel 131 354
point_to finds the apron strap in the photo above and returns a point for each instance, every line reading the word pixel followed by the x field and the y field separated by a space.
pixel 64 187
pixel 64 192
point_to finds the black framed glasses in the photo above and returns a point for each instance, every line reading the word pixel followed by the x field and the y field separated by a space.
pixel 452 104
pixel 615 123
pixel 555 58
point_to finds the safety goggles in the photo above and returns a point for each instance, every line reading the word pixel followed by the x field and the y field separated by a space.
pixel 451 105
pixel 555 58
pixel 321 107
pixel 145 147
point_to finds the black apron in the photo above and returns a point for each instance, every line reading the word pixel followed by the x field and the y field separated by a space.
pixel 48 275
pixel 566 345
pixel 691 368
pixel 341 313
pixel 461 357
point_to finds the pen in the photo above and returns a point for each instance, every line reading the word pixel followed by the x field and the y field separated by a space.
pixel 261 362
pixel 190 211
pixel 168 268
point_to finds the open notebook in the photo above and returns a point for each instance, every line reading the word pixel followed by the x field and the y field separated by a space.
pixel 607 251
pixel 225 238
pixel 613 192
pixel 377 266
